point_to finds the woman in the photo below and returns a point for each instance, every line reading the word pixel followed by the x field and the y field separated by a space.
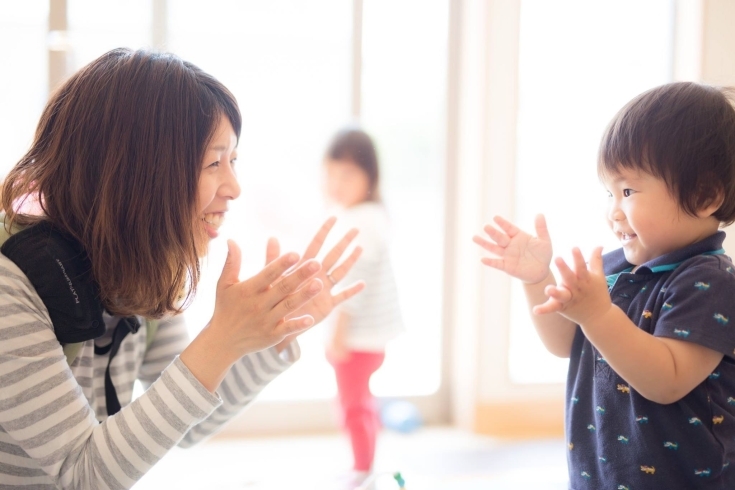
pixel 129 176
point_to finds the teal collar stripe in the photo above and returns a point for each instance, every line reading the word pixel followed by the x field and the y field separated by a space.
pixel 614 277
pixel 657 268
pixel 671 267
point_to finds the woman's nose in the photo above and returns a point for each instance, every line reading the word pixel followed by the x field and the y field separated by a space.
pixel 230 188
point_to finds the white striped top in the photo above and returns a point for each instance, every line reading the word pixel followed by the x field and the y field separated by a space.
pixel 54 428
pixel 375 314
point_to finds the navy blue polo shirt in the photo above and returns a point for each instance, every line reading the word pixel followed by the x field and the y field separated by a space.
pixel 619 440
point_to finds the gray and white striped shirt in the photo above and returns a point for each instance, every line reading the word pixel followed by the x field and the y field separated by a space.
pixel 54 428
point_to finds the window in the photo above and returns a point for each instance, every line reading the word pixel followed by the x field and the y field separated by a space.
pixel 577 68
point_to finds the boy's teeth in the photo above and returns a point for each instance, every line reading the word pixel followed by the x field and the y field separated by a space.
pixel 214 219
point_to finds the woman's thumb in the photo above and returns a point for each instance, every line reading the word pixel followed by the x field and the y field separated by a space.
pixel 231 270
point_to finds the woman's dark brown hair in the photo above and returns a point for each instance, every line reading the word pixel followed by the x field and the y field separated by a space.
pixel 684 134
pixel 115 163
pixel 356 146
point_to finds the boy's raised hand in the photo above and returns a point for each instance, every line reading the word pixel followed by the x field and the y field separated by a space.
pixel 519 254
pixel 581 294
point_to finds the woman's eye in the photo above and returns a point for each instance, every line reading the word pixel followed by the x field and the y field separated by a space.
pixel 213 164
pixel 627 192
pixel 609 194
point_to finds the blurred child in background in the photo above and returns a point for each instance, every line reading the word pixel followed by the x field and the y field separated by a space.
pixel 362 326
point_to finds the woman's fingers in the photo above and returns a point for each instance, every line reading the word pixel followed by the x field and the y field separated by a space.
pixel 272 250
pixel 231 270
pixel 346 294
pixel 333 256
pixel 294 301
pixel 271 272
pixel 316 243
pixel 339 272
pixel 292 282
pixel 295 325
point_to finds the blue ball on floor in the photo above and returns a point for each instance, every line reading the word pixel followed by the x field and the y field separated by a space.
pixel 400 415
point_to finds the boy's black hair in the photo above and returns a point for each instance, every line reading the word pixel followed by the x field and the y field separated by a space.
pixel 684 134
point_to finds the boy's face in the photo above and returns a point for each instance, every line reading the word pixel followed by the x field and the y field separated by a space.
pixel 647 219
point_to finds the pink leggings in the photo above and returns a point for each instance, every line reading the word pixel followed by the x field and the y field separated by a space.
pixel 359 408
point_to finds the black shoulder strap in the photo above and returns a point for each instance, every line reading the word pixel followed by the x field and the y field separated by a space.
pixel 59 269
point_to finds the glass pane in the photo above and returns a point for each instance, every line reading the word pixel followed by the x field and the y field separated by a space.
pixel 23 86
pixel 288 63
pixel 580 62
pixel 96 27
pixel 403 107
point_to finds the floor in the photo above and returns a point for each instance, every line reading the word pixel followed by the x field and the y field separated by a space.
pixel 428 459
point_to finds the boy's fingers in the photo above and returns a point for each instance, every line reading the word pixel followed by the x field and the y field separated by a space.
pixel 559 293
pixel 497 236
pixel 580 266
pixel 542 230
pixel 487 245
pixel 505 225
pixel 550 306
pixel 567 275
pixel 494 263
pixel 596 261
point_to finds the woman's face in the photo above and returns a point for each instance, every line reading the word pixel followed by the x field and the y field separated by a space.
pixel 346 183
pixel 218 182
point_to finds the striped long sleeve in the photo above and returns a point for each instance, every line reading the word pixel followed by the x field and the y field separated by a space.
pixel 54 431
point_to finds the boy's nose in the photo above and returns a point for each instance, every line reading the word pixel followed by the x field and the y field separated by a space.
pixel 614 213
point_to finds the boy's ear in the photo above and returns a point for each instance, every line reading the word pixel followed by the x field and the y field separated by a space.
pixel 710 204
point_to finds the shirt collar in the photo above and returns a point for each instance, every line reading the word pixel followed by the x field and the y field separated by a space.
pixel 615 262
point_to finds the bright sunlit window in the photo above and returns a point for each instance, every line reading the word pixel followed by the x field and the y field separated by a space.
pixel 24 80
pixel 577 69
pixel 289 64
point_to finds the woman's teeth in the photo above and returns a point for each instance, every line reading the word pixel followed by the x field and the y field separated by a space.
pixel 214 219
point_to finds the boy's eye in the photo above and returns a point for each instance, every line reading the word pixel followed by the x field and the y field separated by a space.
pixel 609 194
pixel 627 192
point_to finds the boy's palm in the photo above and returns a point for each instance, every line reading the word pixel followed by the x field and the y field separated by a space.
pixel 519 254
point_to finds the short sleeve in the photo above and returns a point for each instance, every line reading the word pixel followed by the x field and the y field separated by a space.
pixel 698 305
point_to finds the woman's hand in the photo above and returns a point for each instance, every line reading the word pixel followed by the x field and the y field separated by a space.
pixel 322 304
pixel 519 254
pixel 252 315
